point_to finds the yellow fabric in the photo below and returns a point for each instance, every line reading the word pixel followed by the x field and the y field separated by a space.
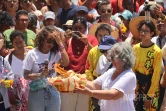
pixel 92 60
pixel 145 58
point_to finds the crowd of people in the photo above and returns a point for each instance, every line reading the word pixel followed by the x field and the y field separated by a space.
pixel 118 44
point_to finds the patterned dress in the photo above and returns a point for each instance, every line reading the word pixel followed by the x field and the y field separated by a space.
pixel 21 89
pixel 147 69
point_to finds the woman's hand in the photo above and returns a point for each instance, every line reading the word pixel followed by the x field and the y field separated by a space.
pixel 83 90
pixel 159 12
pixel 44 73
pixel 83 38
pixel 68 34
pixel 58 36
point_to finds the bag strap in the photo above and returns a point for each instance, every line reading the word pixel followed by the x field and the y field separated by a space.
pixel 50 56
pixel 109 67
pixel 10 58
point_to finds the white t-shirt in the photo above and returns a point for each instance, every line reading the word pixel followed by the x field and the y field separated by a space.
pixel 126 83
pixel 34 61
pixel 16 66
pixel 102 65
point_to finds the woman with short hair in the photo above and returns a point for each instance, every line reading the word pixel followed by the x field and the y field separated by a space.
pixel 115 88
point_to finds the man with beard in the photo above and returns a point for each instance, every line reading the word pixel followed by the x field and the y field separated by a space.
pixel 105 11
pixel 21 25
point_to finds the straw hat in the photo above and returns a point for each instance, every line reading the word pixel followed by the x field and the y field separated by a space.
pixel 68 23
pixel 134 23
pixel 114 30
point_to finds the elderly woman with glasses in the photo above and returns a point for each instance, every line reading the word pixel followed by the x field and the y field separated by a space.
pixel 78 45
pixel 116 87
pixel 38 66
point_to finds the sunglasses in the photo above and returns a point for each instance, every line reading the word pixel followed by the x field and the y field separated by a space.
pixel 27 1
pixel 103 51
pixel 50 41
pixel 56 1
pixel 81 19
pixel 113 58
pixel 12 1
pixel 66 28
pixel 108 11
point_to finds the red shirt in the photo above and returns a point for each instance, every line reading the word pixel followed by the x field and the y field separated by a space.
pixel 78 52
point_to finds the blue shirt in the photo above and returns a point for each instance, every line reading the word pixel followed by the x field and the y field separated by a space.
pixel 65 15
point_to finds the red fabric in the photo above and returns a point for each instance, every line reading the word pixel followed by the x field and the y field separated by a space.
pixel 140 2
pixel 120 8
pixel 78 61
pixel 21 87
pixel 80 2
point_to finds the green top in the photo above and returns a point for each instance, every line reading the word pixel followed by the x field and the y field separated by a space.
pixel 28 34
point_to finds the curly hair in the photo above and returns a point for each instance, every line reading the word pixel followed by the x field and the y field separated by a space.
pixel 124 52
pixel 16 33
pixel 44 34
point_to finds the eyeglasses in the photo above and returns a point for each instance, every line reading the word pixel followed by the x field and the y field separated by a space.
pixel 161 22
pixel 12 1
pixel 50 41
pixel 81 19
pixel 104 11
pixel 144 31
pixel 103 51
pixel 56 1
pixel 66 28
pixel 26 1
pixel 23 20
pixel 113 58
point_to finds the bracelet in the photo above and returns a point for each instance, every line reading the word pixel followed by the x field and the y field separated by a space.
pixel 61 46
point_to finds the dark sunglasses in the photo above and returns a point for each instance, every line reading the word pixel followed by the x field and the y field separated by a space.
pixel 56 1
pixel 27 1
pixel 50 41
pixel 79 19
pixel 103 51
pixel 104 11
pixel 65 28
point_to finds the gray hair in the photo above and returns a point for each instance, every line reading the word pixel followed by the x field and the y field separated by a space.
pixel 124 52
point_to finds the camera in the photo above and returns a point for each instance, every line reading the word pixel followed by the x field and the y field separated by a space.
pixel 76 34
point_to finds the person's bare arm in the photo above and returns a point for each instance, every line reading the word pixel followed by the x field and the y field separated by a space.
pixel 32 76
pixel 163 80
